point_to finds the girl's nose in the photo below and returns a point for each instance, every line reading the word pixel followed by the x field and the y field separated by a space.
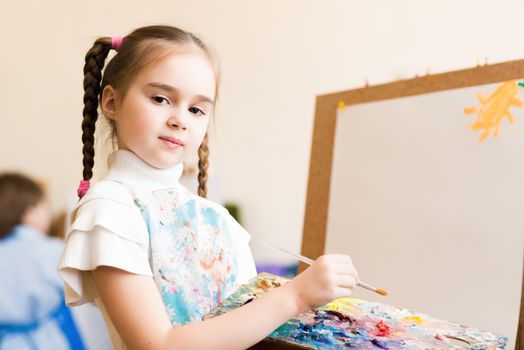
pixel 176 120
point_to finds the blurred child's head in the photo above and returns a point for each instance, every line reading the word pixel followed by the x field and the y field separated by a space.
pixel 22 201
pixel 158 92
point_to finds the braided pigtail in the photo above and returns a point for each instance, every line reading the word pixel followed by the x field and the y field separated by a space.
pixel 203 163
pixel 94 63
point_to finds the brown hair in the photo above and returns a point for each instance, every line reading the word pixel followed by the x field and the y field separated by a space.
pixel 140 48
pixel 18 193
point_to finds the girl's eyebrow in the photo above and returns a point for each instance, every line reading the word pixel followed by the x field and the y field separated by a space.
pixel 169 88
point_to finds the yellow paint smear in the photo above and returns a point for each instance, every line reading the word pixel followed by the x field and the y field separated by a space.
pixel 413 319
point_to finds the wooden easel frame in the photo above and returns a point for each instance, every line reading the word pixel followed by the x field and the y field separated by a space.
pixel 325 121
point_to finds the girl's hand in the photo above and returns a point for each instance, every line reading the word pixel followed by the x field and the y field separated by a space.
pixel 328 278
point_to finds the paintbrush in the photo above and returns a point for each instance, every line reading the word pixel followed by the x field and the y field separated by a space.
pixel 309 261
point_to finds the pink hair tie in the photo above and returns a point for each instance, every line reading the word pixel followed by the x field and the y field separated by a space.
pixel 82 188
pixel 116 42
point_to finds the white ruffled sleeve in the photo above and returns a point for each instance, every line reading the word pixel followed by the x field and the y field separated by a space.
pixel 246 264
pixel 107 230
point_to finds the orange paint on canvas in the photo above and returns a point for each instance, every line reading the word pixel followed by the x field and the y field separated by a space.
pixel 494 108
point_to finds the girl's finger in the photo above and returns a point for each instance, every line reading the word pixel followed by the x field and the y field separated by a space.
pixel 341 292
pixel 340 258
pixel 347 269
pixel 346 281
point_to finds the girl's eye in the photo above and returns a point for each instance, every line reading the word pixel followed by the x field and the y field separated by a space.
pixel 160 99
pixel 196 111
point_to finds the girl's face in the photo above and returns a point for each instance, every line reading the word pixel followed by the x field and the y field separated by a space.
pixel 165 113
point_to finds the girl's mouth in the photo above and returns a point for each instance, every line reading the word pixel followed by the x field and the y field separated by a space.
pixel 171 142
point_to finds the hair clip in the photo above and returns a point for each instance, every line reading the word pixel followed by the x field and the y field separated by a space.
pixel 116 42
pixel 82 188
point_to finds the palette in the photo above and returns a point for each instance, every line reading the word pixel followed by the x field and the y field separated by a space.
pixel 358 324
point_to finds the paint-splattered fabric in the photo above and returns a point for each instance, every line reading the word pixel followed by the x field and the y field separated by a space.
pixel 192 256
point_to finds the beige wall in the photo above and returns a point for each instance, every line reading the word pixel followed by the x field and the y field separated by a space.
pixel 276 56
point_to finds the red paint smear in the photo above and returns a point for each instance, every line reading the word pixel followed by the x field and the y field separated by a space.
pixel 382 329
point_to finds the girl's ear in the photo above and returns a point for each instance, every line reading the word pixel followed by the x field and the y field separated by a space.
pixel 108 103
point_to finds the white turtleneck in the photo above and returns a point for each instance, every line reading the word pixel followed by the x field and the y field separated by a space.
pixel 125 166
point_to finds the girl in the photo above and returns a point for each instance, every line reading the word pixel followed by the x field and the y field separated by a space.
pixel 154 257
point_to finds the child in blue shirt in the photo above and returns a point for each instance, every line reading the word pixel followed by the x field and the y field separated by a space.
pixel 33 314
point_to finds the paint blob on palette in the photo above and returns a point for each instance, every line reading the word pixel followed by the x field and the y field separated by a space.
pixel 358 324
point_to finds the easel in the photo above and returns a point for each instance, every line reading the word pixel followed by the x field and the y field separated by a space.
pixel 325 121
